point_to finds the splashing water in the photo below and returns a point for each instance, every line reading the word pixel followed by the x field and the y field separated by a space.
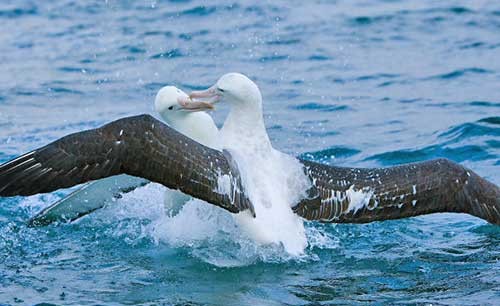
pixel 210 233
pixel 274 182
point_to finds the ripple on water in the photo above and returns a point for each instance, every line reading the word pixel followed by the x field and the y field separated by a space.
pixel 329 155
pixel 469 130
pixel 458 154
pixel 319 107
pixel 459 73
pixel 283 41
pixel 199 11
pixel 18 12
pixel 173 53
pixel 451 144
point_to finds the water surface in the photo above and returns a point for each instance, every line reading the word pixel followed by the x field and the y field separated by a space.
pixel 357 83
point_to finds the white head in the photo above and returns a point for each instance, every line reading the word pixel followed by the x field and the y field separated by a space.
pixel 235 88
pixel 244 126
pixel 172 103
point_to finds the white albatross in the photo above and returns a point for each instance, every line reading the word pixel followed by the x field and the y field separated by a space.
pixel 273 180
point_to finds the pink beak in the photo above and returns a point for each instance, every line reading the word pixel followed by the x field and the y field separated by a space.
pixel 193 106
pixel 212 94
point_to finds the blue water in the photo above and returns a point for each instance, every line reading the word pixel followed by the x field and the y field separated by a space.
pixel 358 83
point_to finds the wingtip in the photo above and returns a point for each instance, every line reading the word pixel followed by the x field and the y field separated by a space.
pixel 14 172
pixel 483 198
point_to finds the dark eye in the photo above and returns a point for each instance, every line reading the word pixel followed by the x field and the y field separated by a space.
pixel 220 89
pixel 171 107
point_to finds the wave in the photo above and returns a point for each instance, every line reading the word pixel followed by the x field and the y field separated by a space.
pixel 173 53
pixel 484 103
pixel 18 12
pixel 280 41
pixel 458 73
pixel 448 76
pixel 327 155
pixel 318 57
pixel 461 104
pixel 191 35
pixel 491 120
pixel 459 154
pixel 133 49
pixel 319 107
pixel 199 11
pixel 79 69
pixel 480 128
pixel 437 12
pixel 471 141
pixel 368 20
pixel 273 58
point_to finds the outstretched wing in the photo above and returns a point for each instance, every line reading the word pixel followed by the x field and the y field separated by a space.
pixel 140 146
pixel 145 147
pixel 352 195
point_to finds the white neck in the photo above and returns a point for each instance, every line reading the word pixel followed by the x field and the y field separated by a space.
pixel 175 121
pixel 198 126
pixel 244 128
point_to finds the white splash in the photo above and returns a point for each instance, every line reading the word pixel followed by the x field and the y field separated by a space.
pixel 224 184
pixel 207 232
pixel 273 182
pixel 358 198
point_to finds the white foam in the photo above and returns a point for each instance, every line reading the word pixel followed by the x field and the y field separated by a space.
pixel 273 182
pixel 36 203
pixel 358 198
pixel 226 186
pixel 207 232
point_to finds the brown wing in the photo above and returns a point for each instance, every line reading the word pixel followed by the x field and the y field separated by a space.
pixel 350 195
pixel 140 146
pixel 143 146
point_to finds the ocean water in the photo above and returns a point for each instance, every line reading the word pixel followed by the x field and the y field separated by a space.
pixel 356 83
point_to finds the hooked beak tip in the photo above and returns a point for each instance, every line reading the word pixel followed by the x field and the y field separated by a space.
pixel 189 105
pixel 210 93
pixel 204 99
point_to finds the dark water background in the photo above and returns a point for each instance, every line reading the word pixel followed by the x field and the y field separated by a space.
pixel 358 83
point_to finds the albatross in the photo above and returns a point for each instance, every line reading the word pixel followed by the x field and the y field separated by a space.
pixel 145 147
pixel 170 104
pixel 188 118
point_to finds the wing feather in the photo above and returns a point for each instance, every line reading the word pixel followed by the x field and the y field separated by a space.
pixel 357 195
pixel 140 146
pixel 145 147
